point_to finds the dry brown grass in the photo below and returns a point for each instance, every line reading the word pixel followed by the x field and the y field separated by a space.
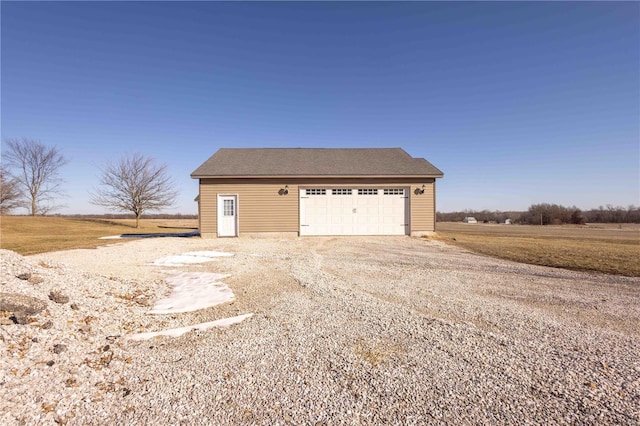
pixel 30 235
pixel 610 249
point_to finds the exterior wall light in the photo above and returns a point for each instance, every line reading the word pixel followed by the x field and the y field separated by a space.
pixel 284 191
pixel 419 191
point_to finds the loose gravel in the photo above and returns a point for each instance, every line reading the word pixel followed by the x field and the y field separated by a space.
pixel 375 330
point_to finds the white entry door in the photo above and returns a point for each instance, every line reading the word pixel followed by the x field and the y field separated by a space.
pixel 227 216
pixel 354 211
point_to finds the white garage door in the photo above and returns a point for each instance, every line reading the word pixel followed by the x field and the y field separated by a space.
pixel 353 211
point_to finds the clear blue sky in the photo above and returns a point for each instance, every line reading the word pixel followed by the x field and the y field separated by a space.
pixel 517 103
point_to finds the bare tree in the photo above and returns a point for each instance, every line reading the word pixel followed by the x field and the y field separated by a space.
pixel 35 168
pixel 9 194
pixel 135 184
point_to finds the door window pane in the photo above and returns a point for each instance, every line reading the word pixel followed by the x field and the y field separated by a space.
pixel 228 207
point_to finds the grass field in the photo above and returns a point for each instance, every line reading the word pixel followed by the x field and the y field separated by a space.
pixel 607 248
pixel 31 235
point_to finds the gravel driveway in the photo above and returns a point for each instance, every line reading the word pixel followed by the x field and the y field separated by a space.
pixel 375 330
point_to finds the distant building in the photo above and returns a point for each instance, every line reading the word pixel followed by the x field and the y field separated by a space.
pixel 469 219
pixel 507 222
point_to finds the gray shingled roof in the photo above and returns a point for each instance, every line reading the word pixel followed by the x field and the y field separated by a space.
pixel 302 162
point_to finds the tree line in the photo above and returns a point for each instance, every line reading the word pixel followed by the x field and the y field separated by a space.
pixel 550 214
pixel 486 216
pixel 611 214
pixel 30 178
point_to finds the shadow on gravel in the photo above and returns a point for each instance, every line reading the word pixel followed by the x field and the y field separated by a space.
pixel 162 235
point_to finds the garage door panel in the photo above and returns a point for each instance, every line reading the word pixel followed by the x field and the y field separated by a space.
pixel 346 211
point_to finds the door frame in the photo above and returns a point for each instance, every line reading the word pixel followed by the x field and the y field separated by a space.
pixel 219 213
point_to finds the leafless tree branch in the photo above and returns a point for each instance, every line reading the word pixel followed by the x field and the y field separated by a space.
pixel 35 168
pixel 135 184
pixel 9 193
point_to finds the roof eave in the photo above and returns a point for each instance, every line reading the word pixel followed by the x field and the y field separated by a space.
pixel 429 176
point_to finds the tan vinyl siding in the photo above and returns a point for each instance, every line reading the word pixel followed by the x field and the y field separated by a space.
pixel 208 212
pixel 423 208
pixel 262 209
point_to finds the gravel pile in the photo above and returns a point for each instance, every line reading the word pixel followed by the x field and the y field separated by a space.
pixel 344 331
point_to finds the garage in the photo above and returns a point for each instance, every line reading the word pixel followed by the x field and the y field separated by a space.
pixel 287 192
pixel 353 211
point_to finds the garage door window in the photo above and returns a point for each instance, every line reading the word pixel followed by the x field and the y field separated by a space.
pixel 316 191
pixel 367 191
pixel 341 191
pixel 393 191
